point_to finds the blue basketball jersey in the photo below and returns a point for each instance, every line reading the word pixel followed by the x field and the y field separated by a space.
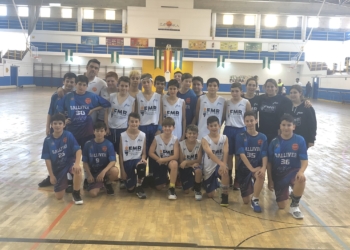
pixel 191 103
pixel 78 108
pixel 56 101
pixel 61 151
pixel 98 155
pixel 254 147
pixel 287 154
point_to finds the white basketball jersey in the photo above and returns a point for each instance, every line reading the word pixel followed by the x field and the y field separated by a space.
pixel 190 155
pixel 206 110
pixel 148 110
pixel 165 150
pixel 235 113
pixel 119 113
pixel 175 112
pixel 132 149
pixel 218 150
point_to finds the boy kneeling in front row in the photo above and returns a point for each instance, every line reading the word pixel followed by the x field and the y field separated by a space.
pixel 99 161
pixel 288 161
pixel 62 155
pixel 165 151
pixel 215 158
pixel 132 153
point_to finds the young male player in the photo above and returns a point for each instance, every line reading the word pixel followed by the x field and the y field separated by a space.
pixel 165 151
pixel 68 83
pixel 149 105
pixel 187 94
pixel 175 108
pixel 132 152
pixel 251 146
pixel 159 83
pixel 288 161
pixel 197 85
pixel 135 77
pixel 62 154
pixel 190 162
pixel 99 161
pixel 208 105
pixel 178 76
pixel 215 148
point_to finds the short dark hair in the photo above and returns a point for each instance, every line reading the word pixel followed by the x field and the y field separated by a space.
pixel 212 119
pixel 288 118
pixel 93 61
pixel 186 76
pixel 70 75
pixel 58 117
pixel 82 78
pixel 178 72
pixel 249 113
pixel 236 85
pixel 210 80
pixel 159 79
pixel 134 115
pixel 192 128
pixel 124 79
pixel 273 81
pixel 146 75
pixel 168 121
pixel 252 79
pixel 174 83
pixel 100 125
pixel 198 78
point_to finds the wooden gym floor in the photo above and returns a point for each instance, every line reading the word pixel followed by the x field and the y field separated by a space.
pixel 31 218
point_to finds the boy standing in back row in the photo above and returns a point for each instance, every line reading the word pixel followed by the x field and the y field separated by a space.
pixel 288 161
pixel 187 94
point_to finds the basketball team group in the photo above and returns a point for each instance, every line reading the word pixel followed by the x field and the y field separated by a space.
pixel 173 140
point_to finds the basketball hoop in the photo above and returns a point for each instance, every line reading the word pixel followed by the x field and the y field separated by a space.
pixel 37 59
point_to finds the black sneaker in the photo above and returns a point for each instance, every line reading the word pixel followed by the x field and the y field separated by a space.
pixel 140 193
pixel 86 184
pixel 46 182
pixel 109 188
pixel 224 200
pixel 77 198
pixel 172 194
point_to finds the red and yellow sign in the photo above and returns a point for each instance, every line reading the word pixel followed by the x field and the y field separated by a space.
pixel 139 42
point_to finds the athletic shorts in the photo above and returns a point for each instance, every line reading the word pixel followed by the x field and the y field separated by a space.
pixel 282 181
pixel 82 141
pixel 114 137
pixel 62 180
pixel 212 183
pixel 131 175
pixel 95 184
pixel 187 177
pixel 246 181
pixel 231 133
pixel 150 132
pixel 160 173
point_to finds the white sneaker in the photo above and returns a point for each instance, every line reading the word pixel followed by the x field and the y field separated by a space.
pixel 172 194
pixel 198 196
pixel 290 191
pixel 295 211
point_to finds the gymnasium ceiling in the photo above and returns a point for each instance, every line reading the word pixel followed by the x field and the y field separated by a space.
pixel 293 7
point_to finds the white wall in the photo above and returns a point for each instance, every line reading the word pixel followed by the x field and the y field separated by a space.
pixel 277 71
pixel 143 22
pixel 335 82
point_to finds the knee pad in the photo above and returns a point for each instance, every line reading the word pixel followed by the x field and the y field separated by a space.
pixel 141 170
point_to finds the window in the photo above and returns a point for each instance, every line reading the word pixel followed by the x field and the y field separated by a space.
pixel 66 13
pixel 292 22
pixel 88 14
pixel 249 20
pixel 334 23
pixel 23 11
pixel 45 12
pixel 270 21
pixel 313 22
pixel 110 15
pixel 3 10
pixel 228 19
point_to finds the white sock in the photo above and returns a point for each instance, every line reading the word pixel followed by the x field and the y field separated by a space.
pixel 254 198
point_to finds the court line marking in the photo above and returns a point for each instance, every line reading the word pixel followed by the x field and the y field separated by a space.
pixel 53 224
pixel 328 229
pixel 134 243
